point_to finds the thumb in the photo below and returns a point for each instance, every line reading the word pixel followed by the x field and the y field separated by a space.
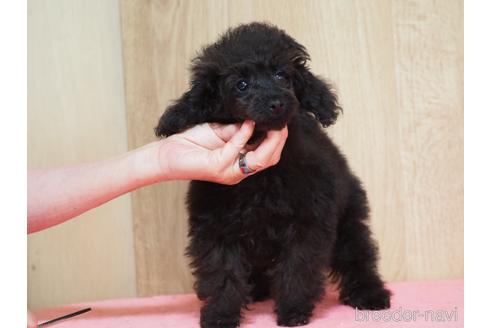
pixel 225 131
pixel 233 147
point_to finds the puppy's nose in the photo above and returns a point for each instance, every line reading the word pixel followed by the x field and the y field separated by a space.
pixel 276 106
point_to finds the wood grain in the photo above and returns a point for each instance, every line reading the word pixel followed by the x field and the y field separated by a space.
pixel 429 71
pixel 397 66
pixel 153 78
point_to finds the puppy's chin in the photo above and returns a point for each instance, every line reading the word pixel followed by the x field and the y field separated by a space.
pixel 255 140
pixel 260 132
pixel 267 126
pixel 278 122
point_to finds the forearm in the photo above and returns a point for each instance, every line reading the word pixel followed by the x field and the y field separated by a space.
pixel 200 153
pixel 56 195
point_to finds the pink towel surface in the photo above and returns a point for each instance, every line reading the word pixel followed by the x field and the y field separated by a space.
pixel 414 304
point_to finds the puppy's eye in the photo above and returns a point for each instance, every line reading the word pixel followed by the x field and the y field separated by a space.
pixel 242 85
pixel 281 75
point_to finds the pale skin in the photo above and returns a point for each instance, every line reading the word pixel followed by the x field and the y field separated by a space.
pixel 206 152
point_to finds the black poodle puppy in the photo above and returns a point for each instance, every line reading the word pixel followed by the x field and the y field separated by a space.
pixel 283 232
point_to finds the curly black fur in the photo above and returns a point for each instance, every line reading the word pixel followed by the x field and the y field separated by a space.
pixel 282 231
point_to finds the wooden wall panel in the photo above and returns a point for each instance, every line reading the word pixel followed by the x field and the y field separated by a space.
pixel 397 66
pixel 429 71
pixel 76 114
pixel 152 78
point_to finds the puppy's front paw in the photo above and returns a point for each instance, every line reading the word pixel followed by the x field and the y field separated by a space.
pixel 368 298
pixel 293 319
pixel 212 317
pixel 219 322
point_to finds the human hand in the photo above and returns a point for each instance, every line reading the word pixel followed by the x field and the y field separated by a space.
pixel 207 152
pixel 210 152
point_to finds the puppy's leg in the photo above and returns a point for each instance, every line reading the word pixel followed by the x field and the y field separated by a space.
pixel 297 283
pixel 222 284
pixel 354 262
pixel 260 286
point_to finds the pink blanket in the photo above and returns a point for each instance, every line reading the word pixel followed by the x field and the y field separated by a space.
pixel 414 304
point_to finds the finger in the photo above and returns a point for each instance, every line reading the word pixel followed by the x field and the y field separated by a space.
pixel 231 149
pixel 236 175
pixel 278 152
pixel 272 145
pixel 227 173
pixel 203 135
pixel 225 131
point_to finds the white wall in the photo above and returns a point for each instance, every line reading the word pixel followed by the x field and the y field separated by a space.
pixel 76 113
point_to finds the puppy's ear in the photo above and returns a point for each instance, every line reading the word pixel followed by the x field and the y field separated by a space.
pixel 316 96
pixel 175 119
pixel 196 106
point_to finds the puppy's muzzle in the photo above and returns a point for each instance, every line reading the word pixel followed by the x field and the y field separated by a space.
pixel 277 107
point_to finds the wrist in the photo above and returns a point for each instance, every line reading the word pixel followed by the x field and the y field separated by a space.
pixel 146 166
